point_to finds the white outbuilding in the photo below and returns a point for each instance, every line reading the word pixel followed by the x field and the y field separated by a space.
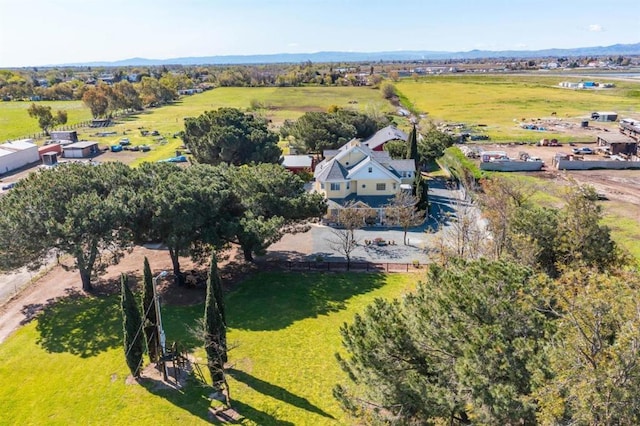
pixel 16 154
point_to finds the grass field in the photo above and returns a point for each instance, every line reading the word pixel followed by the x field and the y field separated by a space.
pixel 16 123
pixel 497 100
pixel 68 367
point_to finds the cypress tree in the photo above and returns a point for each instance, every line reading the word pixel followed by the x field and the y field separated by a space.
pixel 131 324
pixel 150 320
pixel 412 146
pixel 215 329
pixel 421 191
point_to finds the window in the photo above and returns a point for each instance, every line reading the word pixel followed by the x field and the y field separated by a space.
pixel 408 174
pixel 370 169
pixel 381 186
pixel 347 185
pixel 394 186
pixel 364 186
pixel 335 186
pixel 322 186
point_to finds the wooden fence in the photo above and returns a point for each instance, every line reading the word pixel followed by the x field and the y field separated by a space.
pixel 339 266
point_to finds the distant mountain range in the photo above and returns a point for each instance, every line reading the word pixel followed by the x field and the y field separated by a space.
pixel 403 55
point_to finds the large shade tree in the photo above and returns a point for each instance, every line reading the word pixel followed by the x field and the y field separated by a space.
pixel 463 349
pixel 230 136
pixel 271 197
pixel 191 210
pixel 75 209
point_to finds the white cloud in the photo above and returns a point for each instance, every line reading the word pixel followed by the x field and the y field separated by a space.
pixel 596 28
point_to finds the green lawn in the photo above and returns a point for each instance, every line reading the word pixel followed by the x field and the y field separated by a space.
pixel 499 101
pixel 15 121
pixel 67 367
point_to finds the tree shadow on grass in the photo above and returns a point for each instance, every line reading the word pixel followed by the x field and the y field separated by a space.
pixel 277 392
pixel 194 398
pixel 272 301
pixel 80 325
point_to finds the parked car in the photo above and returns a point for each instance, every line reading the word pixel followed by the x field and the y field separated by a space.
pixel 583 150
pixel 8 186
pixel 116 148
pixel 125 141
pixel 145 148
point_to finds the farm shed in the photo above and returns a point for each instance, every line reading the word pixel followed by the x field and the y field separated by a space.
pixel 50 158
pixel 16 154
pixel 618 144
pixel 80 150
pixel 54 147
pixel 298 163
pixel 604 116
pixel 66 135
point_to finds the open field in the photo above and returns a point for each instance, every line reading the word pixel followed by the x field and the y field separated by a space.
pixel 16 123
pixel 67 366
pixel 501 101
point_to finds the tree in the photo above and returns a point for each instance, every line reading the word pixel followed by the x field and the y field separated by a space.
pixel 344 239
pixel 465 348
pixel 389 91
pixel 421 191
pixel 432 144
pixel 594 355
pixel 402 211
pixel 153 92
pixel 150 320
pixel 132 328
pixel 102 100
pixel 317 131
pixel 191 210
pixel 78 209
pixel 269 197
pixel 45 117
pixel 127 97
pixel 215 327
pixel 230 136
pixel 412 148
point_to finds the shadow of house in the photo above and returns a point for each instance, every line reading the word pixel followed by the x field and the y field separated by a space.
pixel 277 392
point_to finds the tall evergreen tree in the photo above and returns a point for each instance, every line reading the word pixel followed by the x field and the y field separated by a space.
pixel 215 329
pixel 412 146
pixel 150 319
pixel 131 324
pixel 421 191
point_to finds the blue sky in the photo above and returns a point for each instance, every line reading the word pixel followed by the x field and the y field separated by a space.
pixel 39 32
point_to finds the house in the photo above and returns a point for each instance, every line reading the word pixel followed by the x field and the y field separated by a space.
pixel 298 163
pixel 382 136
pixel 16 154
pixel 631 128
pixel 357 174
pixel 616 144
pixel 82 149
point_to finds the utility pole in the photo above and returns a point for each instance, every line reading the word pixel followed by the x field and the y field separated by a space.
pixel 161 336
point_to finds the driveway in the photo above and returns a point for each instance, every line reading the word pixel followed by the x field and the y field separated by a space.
pixel 318 241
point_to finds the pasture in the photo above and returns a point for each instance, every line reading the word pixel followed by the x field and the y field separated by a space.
pixel 68 367
pixel 500 102
pixel 15 121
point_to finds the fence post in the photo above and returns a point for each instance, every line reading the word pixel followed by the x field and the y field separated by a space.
pixel 387 266
pixel 407 267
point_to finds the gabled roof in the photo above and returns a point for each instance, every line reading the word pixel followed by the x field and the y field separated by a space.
pixel 369 162
pixel 385 135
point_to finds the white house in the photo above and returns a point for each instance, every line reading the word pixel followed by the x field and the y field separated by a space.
pixel 16 154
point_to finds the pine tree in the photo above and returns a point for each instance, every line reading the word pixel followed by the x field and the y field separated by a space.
pixel 150 320
pixel 215 329
pixel 412 147
pixel 131 324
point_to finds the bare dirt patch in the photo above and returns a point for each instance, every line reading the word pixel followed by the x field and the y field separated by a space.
pixel 61 282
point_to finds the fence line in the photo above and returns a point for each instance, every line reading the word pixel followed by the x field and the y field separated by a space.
pixel 340 266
